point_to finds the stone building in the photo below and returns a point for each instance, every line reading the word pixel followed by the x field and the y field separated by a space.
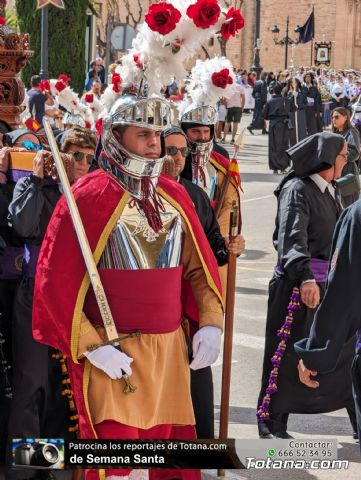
pixel 337 21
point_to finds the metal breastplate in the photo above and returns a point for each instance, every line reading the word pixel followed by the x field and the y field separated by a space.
pixel 134 245
pixel 206 178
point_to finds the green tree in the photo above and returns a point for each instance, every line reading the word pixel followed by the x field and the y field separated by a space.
pixel 66 39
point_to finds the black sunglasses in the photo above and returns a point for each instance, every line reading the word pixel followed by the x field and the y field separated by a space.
pixel 173 151
pixel 80 155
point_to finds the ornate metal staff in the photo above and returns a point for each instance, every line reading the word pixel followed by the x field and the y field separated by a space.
pixel 91 267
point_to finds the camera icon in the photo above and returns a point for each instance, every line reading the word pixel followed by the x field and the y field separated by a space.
pixel 38 454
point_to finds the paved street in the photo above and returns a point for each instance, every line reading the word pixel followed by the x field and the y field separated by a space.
pixel 254 271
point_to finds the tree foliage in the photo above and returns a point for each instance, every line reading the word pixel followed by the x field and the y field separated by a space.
pixel 66 39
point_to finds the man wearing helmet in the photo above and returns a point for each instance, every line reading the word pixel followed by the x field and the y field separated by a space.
pixel 207 165
pixel 147 242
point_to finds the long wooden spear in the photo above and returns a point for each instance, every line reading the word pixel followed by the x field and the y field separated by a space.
pixel 234 229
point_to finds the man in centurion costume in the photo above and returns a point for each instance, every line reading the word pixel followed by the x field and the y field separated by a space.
pixel 208 165
pixel 146 240
pixel 201 379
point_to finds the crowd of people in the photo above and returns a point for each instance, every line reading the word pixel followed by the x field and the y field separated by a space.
pixel 155 197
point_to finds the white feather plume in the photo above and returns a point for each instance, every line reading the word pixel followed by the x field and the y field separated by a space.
pixel 202 89
pixel 96 107
pixel 164 56
pixel 108 98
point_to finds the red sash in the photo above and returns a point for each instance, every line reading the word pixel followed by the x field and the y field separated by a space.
pixel 146 301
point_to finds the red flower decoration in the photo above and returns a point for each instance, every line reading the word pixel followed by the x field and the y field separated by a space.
pixel 44 86
pixel 204 13
pixel 137 61
pixel 99 126
pixel 116 81
pixel 234 22
pixel 89 98
pixel 162 17
pixel 64 78
pixel 60 85
pixel 221 79
pixel 87 124
pixel 2 21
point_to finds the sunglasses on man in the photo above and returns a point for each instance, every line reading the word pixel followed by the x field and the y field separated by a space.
pixel 184 151
pixel 79 156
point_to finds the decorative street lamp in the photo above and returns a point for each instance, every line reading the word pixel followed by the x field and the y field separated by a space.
pixel 286 41
pixel 44 54
pixel 256 67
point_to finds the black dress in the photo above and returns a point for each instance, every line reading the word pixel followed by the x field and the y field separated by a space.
pixel 304 227
pixel 277 111
pixel 298 117
pixel 313 109
pixel 338 317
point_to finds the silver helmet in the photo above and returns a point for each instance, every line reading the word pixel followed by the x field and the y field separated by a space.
pixel 201 114
pixel 204 115
pixel 71 118
pixel 129 168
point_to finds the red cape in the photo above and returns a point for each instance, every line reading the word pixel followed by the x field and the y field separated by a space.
pixel 62 282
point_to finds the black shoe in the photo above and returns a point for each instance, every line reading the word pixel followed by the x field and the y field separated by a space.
pixel 282 435
pixel 355 435
pixel 250 130
pixel 275 172
pixel 264 132
pixel 266 436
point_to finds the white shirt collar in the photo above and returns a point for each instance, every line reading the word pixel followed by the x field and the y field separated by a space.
pixel 322 184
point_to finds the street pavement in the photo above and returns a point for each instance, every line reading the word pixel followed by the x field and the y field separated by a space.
pixel 254 270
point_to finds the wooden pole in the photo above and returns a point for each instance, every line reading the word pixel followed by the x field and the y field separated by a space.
pixel 235 223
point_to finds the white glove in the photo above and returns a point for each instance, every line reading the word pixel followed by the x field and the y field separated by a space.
pixel 111 361
pixel 206 346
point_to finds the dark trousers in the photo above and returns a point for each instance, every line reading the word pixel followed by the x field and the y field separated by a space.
pixel 258 121
pixel 203 403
